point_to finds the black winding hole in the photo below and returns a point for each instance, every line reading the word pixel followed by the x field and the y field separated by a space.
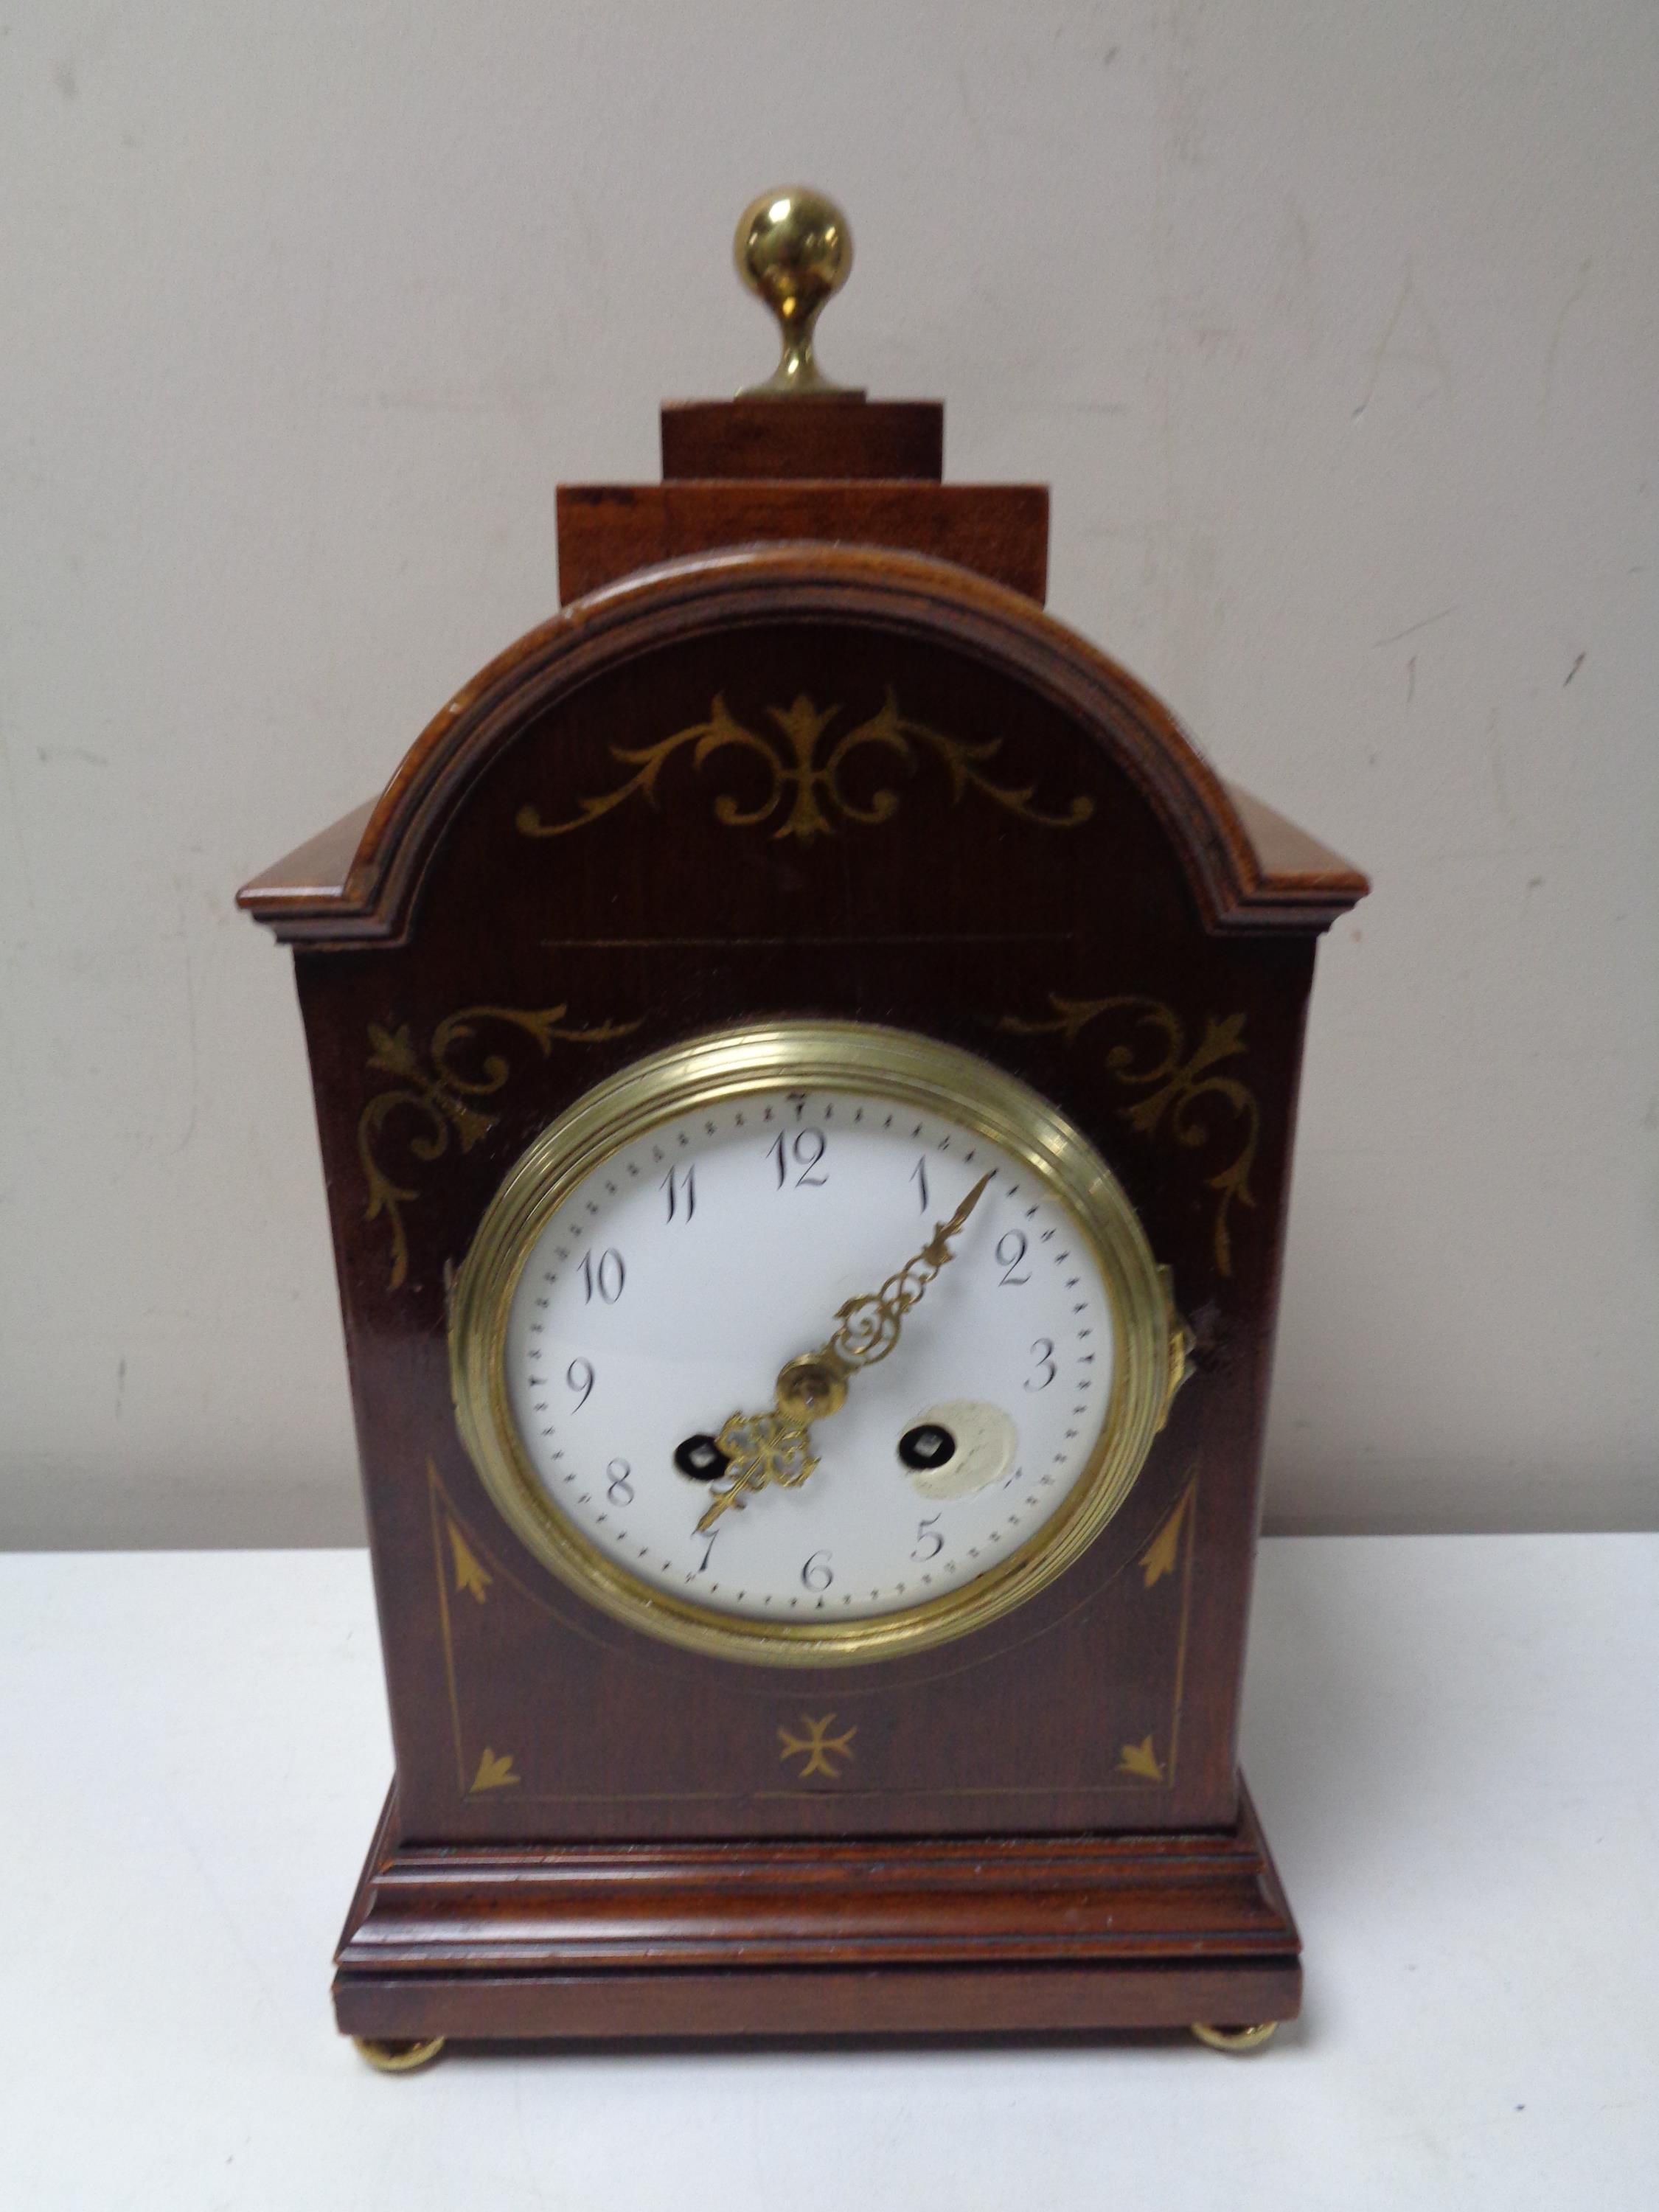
pixel 702 1458
pixel 926 1446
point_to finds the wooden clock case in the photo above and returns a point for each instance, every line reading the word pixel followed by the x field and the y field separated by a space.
pixel 803 741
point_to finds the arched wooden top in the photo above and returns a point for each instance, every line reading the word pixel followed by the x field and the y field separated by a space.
pixel 1248 869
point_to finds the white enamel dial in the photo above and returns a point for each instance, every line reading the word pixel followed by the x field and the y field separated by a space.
pixel 810 1343
pixel 678 1278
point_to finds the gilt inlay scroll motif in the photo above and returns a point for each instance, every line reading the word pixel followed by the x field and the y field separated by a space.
pixel 437 1088
pixel 1178 1084
pixel 804 790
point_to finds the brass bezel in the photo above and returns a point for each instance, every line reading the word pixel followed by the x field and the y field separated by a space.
pixel 823 1055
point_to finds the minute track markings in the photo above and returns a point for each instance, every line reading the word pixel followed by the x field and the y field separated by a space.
pixel 961 1564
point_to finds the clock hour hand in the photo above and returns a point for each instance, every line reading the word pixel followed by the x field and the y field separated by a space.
pixel 761 1448
pixel 776 1446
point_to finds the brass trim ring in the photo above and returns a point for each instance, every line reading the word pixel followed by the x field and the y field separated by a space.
pixel 818 1055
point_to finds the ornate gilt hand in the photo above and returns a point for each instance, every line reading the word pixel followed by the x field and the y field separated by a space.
pixel 762 1449
pixel 776 1446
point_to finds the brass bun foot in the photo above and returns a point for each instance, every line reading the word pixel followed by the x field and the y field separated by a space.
pixel 1235 2038
pixel 398 2057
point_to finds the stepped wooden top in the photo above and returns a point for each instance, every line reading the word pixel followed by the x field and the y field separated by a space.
pixel 845 471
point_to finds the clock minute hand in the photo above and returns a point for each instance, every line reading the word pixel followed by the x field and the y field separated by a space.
pixel 870 1326
pixel 776 1446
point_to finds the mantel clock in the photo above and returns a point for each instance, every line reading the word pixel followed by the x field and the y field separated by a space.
pixel 805 1055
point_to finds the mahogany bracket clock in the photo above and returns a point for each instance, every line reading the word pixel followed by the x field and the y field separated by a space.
pixel 805 1055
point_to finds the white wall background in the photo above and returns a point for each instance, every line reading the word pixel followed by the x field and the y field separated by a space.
pixel 1337 331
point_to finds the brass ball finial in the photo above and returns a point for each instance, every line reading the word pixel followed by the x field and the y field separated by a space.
pixel 793 249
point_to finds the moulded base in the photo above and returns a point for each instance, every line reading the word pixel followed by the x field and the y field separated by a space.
pixel 1000 1935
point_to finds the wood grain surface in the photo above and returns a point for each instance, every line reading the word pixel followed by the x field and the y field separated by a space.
pixel 846 781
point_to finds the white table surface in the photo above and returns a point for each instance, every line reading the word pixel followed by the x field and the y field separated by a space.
pixel 1454 1743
